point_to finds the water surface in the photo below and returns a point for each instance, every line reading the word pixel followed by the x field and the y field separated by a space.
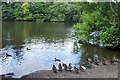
pixel 34 45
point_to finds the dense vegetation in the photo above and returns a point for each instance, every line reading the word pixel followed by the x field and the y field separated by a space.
pixel 98 23
pixel 41 11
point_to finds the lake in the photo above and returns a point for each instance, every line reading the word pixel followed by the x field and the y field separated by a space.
pixel 32 46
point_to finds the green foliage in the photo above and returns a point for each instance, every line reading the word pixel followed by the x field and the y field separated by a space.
pixel 90 22
pixel 42 11
pixel 26 13
pixel 92 17
pixel 110 37
pixel 99 18
pixel 7 11
pixel 25 8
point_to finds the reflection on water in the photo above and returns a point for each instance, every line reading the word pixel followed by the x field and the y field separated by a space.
pixel 32 46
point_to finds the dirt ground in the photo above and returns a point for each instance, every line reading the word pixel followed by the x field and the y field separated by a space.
pixel 101 71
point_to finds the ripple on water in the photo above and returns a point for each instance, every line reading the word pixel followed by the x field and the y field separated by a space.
pixel 40 56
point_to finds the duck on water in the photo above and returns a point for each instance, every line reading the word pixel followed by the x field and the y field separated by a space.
pixel 57 60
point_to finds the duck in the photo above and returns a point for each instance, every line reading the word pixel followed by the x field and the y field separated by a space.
pixel 113 60
pixel 117 60
pixel 60 67
pixel 76 69
pixel 70 67
pixel 89 65
pixel 65 66
pixel 104 61
pixel 96 59
pixel 83 68
pixel 96 62
pixel 89 60
pixel 57 60
pixel 8 55
pixel 54 69
pixel 28 49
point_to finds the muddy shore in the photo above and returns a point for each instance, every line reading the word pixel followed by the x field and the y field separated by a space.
pixel 101 71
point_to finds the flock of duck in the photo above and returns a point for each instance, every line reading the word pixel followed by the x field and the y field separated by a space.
pixel 82 67
pixel 70 68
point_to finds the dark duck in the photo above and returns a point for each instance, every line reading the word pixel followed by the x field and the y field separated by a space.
pixel 28 49
pixel 113 60
pixel 104 62
pixel 8 55
pixel 57 60
pixel 76 69
pixel 96 61
pixel 54 69
pixel 60 67
pixel 70 67
pixel 65 66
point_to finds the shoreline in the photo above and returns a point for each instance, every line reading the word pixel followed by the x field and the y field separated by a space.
pixel 101 71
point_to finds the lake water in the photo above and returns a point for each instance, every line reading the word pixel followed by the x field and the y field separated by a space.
pixel 32 46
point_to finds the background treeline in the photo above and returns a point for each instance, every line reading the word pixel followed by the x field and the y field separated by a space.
pixel 40 11
pixel 98 23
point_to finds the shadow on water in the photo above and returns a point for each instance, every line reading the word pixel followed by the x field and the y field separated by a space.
pixel 93 51
pixel 32 46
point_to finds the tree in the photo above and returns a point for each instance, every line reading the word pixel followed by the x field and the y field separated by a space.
pixel 25 9
pixel 7 12
pixel 103 18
